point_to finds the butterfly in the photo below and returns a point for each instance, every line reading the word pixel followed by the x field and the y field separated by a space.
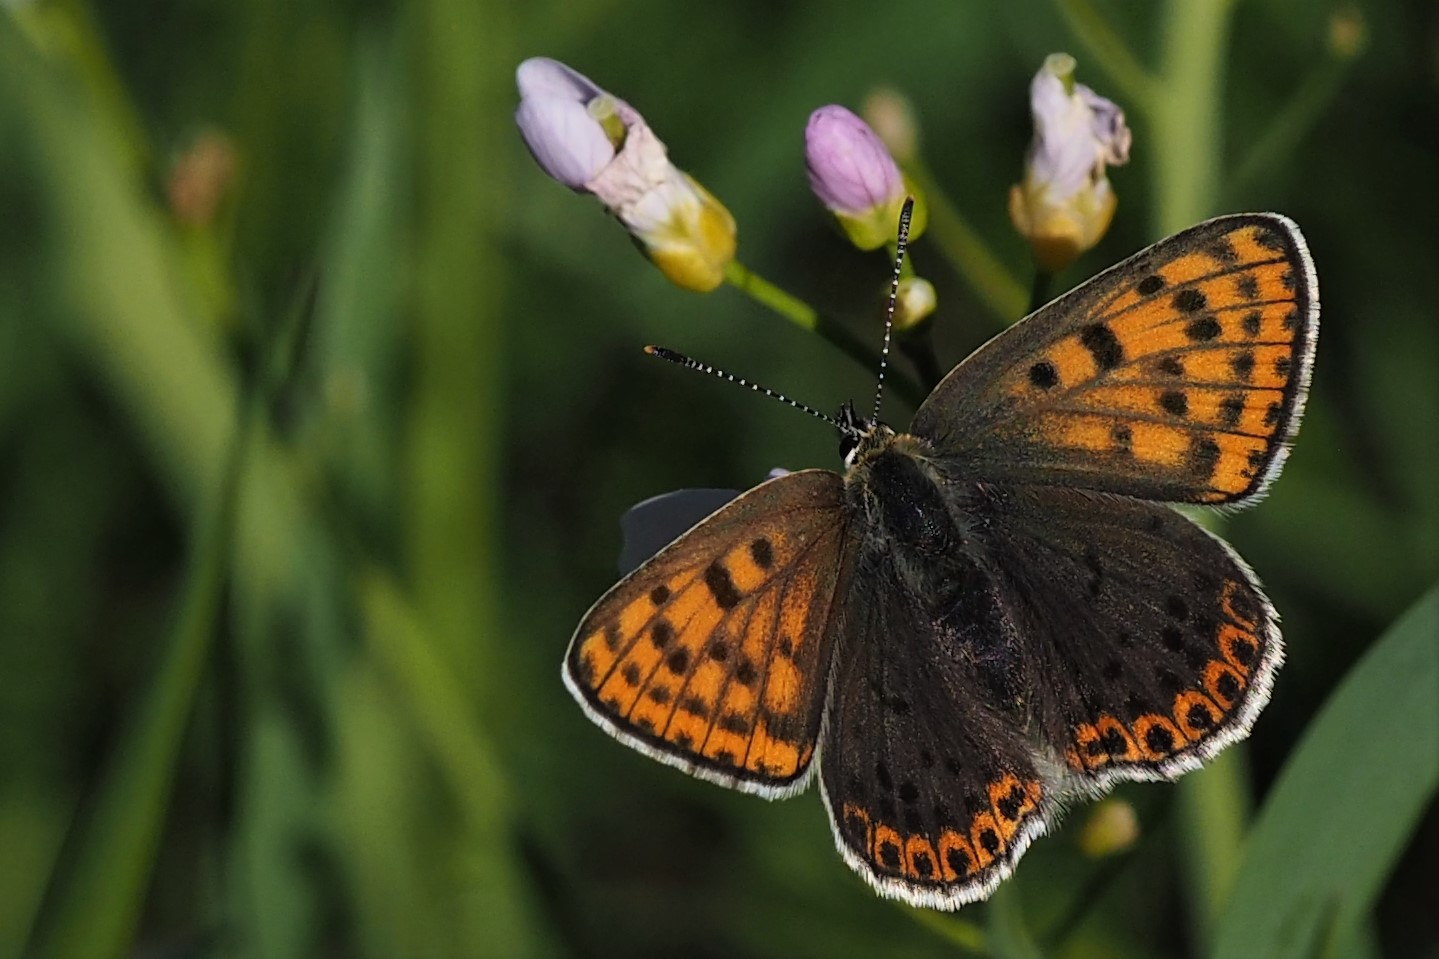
pixel 997 611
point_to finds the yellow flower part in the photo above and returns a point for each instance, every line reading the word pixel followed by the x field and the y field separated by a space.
pixel 1065 204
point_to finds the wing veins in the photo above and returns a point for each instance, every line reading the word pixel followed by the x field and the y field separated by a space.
pixel 769 649
pixel 634 640
pixel 728 680
pixel 1132 416
pixel 1217 274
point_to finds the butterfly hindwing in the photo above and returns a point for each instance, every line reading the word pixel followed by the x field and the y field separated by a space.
pixel 713 656
pixel 1178 375
pixel 932 794
pixel 1147 645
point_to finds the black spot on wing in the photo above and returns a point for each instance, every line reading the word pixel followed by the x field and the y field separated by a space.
pixel 1103 345
pixel 721 586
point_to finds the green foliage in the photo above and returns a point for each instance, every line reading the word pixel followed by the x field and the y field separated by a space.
pixel 302 490
pixel 1298 894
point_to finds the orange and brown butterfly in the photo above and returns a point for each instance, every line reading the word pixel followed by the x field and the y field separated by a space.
pixel 996 612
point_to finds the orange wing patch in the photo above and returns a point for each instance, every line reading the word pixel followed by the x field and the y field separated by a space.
pixel 1225 671
pixel 714 654
pixel 958 852
pixel 1187 374
pixel 1177 375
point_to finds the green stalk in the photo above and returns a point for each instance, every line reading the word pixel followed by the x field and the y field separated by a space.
pixel 101 896
pixel 806 317
pixel 1186 117
pixel 1110 53
pixel 965 936
pixel 455 460
pixel 1213 804
pixel 762 291
pixel 966 251
pixel 1039 292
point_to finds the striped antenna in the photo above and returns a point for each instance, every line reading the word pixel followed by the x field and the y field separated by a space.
pixel 899 248
pixel 672 356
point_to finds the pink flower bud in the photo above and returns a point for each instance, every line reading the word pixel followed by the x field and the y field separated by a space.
pixel 849 168
pixel 596 143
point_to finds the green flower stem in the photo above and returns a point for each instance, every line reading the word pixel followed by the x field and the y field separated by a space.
pixel 918 347
pixel 1110 53
pixel 806 317
pixel 1039 292
pixel 791 307
pixel 1212 804
pixel 1188 134
pixel 967 253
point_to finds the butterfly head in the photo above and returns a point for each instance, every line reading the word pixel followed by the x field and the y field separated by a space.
pixel 858 435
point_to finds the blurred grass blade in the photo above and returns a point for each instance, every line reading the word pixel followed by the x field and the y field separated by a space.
pixel 1007 934
pixel 99 899
pixel 1345 804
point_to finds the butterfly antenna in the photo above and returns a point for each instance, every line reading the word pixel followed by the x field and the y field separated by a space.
pixel 899 247
pixel 673 356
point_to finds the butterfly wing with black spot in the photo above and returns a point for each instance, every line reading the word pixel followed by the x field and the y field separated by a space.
pixel 932 792
pixel 714 655
pixel 1146 644
pixel 1177 375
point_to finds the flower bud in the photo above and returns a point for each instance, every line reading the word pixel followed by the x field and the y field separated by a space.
pixel 595 143
pixel 202 177
pixel 1065 204
pixel 914 301
pixel 568 142
pixel 1112 827
pixel 890 114
pixel 855 178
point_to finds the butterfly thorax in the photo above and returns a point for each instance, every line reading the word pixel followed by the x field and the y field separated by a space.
pixel 896 492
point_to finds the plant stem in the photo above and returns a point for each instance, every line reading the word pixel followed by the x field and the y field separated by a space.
pixel 1213 803
pixel 1039 292
pixel 918 346
pixel 1110 53
pixel 806 317
pixel 971 258
pixel 1188 139
pixel 964 935
pixel 787 305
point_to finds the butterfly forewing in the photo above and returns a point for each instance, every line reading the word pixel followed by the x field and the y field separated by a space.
pixel 1165 644
pixel 1178 375
pixel 713 655
pixel 933 793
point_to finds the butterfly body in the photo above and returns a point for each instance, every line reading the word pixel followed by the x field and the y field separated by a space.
pixel 994 612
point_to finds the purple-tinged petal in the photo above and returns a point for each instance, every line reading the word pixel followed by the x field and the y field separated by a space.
pixel 596 143
pixel 543 77
pixel 1065 203
pixel 849 168
pixel 567 143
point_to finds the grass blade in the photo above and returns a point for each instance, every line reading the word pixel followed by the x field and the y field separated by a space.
pixel 1345 804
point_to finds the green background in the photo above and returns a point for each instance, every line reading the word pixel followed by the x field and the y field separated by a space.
pixel 300 504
